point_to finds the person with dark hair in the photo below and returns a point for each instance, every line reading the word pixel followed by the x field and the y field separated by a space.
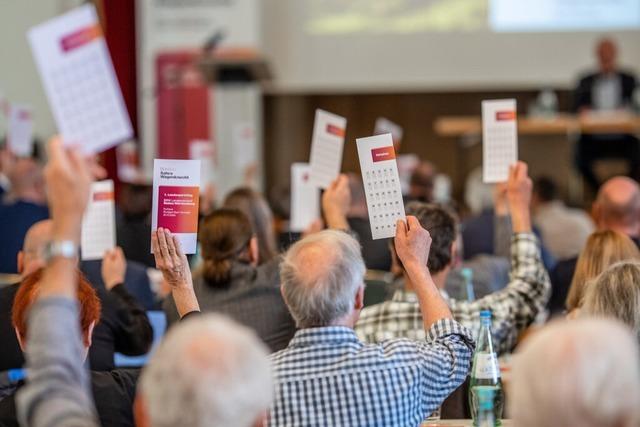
pixel 257 210
pixel 514 308
pixel 564 230
pixel 231 282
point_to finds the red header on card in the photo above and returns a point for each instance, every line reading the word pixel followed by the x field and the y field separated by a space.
pixel 383 153
pixel 80 37
pixel 102 196
pixel 505 115
pixel 335 130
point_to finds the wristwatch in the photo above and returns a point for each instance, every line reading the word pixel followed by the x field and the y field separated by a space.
pixel 60 249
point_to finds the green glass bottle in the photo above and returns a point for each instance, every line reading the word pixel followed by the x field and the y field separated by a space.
pixel 486 413
pixel 485 371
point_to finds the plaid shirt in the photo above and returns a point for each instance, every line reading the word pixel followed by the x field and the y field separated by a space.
pixel 328 377
pixel 514 308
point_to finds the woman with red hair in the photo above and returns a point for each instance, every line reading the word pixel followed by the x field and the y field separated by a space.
pixel 114 391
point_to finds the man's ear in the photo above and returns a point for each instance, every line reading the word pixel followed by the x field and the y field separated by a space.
pixel 20 342
pixel 20 262
pixel 88 339
pixel 140 411
pixel 596 213
pixel 359 300
pixel 254 251
pixel 454 254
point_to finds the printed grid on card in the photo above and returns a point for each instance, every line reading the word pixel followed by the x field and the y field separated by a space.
pixel 381 184
pixel 98 225
pixel 500 139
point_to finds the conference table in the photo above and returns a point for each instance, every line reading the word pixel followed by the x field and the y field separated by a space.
pixel 467 130
pixel 459 423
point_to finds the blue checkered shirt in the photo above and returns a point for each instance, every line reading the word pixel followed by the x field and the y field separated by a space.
pixel 328 377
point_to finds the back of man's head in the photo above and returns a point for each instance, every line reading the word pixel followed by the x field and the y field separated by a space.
pixel 31 257
pixel 545 189
pixel 443 228
pixel 208 371
pixel 617 206
pixel 321 276
pixel 578 373
pixel 27 180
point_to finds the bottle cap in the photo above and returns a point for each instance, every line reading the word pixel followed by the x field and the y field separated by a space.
pixel 467 273
pixel 485 314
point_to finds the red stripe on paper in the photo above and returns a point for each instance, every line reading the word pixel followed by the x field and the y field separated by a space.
pixel 80 37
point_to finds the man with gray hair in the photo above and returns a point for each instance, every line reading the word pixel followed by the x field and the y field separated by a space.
pixel 207 371
pixel 579 373
pixel 327 376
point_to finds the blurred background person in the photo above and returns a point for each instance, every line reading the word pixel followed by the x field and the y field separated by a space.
pixel 607 90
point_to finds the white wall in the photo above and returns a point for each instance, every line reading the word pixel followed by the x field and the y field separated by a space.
pixel 425 61
pixel 19 80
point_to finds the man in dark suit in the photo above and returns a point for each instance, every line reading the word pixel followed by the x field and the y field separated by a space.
pixel 607 90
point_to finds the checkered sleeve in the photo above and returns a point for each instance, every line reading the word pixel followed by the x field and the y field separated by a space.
pixel 446 354
pixel 516 306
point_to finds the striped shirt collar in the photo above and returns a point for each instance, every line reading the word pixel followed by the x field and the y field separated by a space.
pixel 335 335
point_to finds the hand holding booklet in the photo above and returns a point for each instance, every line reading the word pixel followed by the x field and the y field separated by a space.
pixel 176 192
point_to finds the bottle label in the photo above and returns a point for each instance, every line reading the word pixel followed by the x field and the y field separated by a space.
pixel 486 366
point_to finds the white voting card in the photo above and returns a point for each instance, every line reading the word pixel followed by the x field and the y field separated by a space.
pixel 79 80
pixel 499 139
pixel 20 130
pixel 326 148
pixel 243 138
pixel 204 150
pixel 384 125
pixel 381 184
pixel 305 198
pixel 176 194
pixel 99 222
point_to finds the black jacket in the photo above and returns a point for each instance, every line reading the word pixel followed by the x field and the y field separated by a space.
pixel 583 94
pixel 113 394
pixel 123 327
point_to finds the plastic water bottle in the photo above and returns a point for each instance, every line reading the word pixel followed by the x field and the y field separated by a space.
pixel 467 275
pixel 485 372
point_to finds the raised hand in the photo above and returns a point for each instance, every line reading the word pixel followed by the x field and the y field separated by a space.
pixel 170 259
pixel 412 243
pixel 114 268
pixel 519 189
pixel 336 201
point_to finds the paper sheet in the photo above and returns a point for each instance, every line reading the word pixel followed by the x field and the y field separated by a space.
pixel 244 145
pixel 305 198
pixel 20 130
pixel 204 150
pixel 499 139
pixel 78 77
pixel 381 184
pixel 327 145
pixel 98 224
pixel 384 125
pixel 176 191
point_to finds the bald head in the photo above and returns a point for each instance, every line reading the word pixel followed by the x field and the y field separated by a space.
pixel 207 371
pixel 583 372
pixel 322 279
pixel 617 206
pixel 606 52
pixel 31 257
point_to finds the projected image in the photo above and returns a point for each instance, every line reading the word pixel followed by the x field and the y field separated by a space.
pixel 327 17
pixel 395 16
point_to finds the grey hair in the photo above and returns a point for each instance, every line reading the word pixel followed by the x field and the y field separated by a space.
pixel 208 371
pixel 616 293
pixel 320 277
pixel 583 373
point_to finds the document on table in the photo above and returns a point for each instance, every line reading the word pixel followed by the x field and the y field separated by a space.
pixel 20 130
pixel 381 184
pixel 384 125
pixel 326 148
pixel 99 222
pixel 79 79
pixel 305 198
pixel 499 139
pixel 176 192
